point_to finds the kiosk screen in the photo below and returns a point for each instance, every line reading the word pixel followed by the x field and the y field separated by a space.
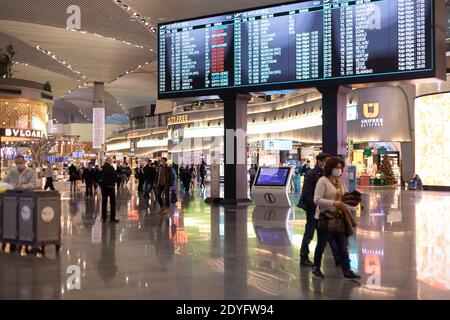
pixel 276 177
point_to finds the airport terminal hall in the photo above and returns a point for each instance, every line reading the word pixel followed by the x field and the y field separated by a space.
pixel 204 152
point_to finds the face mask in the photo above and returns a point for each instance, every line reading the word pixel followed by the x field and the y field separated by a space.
pixel 337 172
pixel 20 166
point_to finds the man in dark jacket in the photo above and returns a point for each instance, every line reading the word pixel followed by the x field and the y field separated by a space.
pixel 165 182
pixel 107 181
pixel 202 174
pixel 89 177
pixel 307 204
pixel 149 177
pixel 141 177
pixel 306 168
pixel 97 177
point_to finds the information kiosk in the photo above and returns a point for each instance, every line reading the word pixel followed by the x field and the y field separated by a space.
pixel 270 188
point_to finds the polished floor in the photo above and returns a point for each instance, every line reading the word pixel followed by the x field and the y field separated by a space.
pixel 401 249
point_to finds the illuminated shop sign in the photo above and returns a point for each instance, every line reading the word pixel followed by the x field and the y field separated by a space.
pixel 118 146
pixel 371 112
pixel 278 145
pixel 178 119
pixel 23 133
pixel 78 154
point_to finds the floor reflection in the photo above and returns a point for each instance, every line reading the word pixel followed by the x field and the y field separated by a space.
pixel 197 251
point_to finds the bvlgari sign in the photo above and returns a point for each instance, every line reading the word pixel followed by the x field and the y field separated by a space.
pixel 22 133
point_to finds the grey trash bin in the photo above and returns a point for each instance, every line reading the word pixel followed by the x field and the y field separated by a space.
pixel 9 219
pixel 40 219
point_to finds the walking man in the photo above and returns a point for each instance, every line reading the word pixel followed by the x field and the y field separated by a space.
pixel 141 177
pixel 202 174
pixel 165 182
pixel 108 180
pixel 150 177
pixel 89 177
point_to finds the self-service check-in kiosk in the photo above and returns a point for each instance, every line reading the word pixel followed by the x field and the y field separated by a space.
pixel 271 186
pixel 273 206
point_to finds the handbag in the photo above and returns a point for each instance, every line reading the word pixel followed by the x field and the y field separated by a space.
pixel 330 222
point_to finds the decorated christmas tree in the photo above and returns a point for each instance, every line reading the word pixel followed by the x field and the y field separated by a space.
pixel 388 173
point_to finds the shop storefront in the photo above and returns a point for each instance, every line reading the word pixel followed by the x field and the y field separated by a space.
pixel 25 108
pixel 432 135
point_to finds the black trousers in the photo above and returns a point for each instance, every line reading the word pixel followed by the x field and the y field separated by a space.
pixel 166 192
pixel 141 185
pixel 49 184
pixel 108 192
pixel 323 237
pixel 89 188
pixel 202 181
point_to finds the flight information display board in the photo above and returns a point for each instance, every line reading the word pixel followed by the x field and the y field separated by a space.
pixel 301 44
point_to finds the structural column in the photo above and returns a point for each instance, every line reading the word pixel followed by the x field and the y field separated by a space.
pixel 334 114
pixel 235 141
pixel 98 126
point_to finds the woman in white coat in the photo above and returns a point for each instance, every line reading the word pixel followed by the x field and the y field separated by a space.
pixel 328 197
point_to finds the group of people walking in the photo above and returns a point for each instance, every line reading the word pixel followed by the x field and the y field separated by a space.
pixel 190 175
pixel 157 179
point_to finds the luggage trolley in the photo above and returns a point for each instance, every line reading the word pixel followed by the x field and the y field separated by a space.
pixel 39 220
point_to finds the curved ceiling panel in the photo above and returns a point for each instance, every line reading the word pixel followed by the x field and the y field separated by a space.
pixel 26 53
pixel 67 112
pixel 168 10
pixel 83 99
pixel 97 16
pixel 100 59
pixel 60 84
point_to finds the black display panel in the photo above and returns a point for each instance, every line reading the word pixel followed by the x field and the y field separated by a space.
pixel 301 44
pixel 272 177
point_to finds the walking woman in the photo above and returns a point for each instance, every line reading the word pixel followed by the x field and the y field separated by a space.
pixel 331 214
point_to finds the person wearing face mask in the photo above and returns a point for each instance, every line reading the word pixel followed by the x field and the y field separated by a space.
pixel 328 196
pixel 21 177
pixel 307 203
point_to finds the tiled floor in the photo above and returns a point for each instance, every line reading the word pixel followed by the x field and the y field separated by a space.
pixel 401 249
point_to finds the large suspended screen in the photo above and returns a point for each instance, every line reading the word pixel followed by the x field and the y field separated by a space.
pixel 301 44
